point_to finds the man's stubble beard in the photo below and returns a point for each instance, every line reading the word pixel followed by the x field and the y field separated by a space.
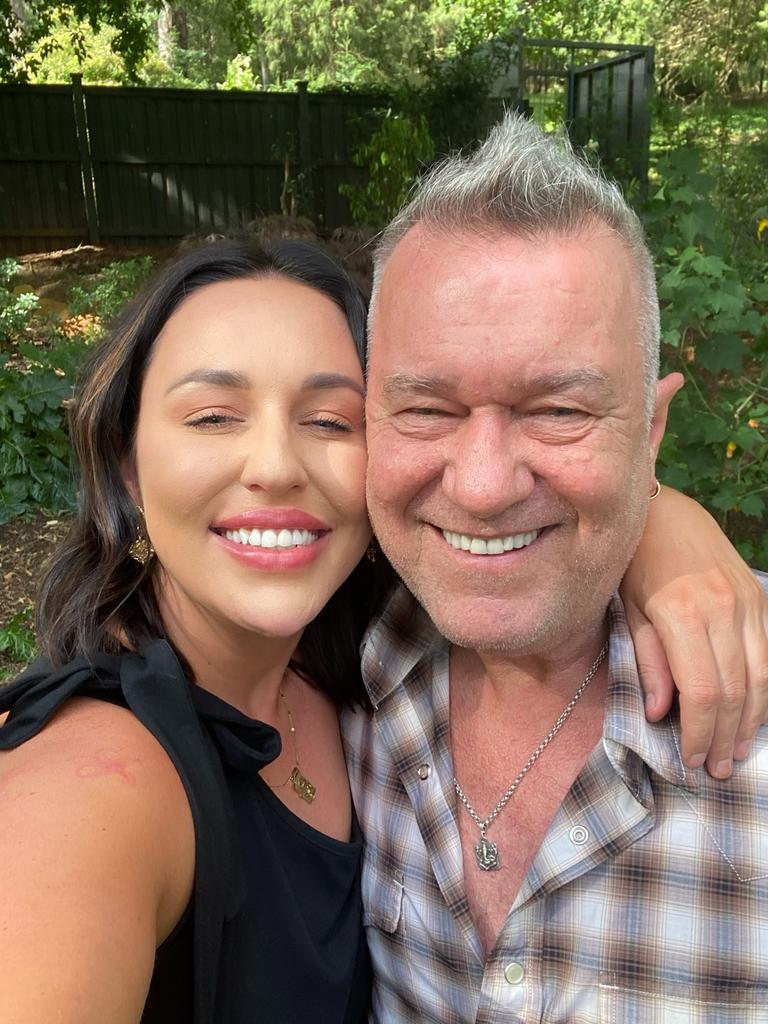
pixel 577 608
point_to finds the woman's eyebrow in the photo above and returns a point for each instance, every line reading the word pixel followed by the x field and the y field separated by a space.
pixel 217 378
pixel 329 381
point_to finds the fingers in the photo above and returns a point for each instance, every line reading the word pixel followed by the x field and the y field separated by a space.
pixel 697 676
pixel 755 710
pixel 655 675
pixel 725 639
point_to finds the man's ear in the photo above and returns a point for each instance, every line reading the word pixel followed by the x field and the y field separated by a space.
pixel 666 389
pixel 130 477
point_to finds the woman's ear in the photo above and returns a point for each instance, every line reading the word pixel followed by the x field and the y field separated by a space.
pixel 130 478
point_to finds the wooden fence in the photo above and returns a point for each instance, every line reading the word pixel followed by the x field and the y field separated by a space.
pixel 148 166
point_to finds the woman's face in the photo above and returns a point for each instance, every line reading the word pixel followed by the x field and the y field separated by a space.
pixel 249 458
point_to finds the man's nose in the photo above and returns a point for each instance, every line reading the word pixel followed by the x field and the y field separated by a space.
pixel 272 456
pixel 487 468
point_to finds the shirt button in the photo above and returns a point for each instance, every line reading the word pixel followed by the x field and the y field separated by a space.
pixel 579 835
pixel 424 771
pixel 514 973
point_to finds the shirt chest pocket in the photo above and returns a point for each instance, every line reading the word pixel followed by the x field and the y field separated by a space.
pixel 624 1006
pixel 382 898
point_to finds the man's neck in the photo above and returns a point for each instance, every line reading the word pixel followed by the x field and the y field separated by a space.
pixel 501 710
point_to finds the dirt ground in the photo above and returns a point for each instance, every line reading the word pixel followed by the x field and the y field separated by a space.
pixel 25 546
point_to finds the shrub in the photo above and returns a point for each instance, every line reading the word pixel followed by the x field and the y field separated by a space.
pixel 15 310
pixel 392 155
pixel 110 289
pixel 715 332
pixel 34 445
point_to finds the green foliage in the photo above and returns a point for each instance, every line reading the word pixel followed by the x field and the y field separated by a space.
pixel 111 288
pixel 15 309
pixel 239 74
pixel 16 637
pixel 35 386
pixel 392 155
pixel 23 25
pixel 329 43
pixel 714 331
pixel 34 446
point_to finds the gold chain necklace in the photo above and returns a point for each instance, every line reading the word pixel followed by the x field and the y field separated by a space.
pixel 486 852
pixel 297 779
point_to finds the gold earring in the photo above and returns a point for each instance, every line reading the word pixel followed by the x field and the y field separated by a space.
pixel 141 550
pixel 656 490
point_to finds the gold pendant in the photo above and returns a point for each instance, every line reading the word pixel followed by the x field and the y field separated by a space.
pixel 302 786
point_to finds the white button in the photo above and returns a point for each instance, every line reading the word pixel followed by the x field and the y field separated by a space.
pixel 514 973
pixel 424 771
pixel 579 835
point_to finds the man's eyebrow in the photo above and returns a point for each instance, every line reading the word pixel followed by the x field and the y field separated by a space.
pixel 216 378
pixel 401 381
pixel 564 380
pixel 330 381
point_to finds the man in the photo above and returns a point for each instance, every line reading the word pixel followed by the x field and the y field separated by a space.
pixel 536 851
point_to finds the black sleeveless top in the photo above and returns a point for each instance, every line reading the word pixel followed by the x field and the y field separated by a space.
pixel 274 932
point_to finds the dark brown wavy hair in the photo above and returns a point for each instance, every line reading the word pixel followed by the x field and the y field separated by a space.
pixel 94 596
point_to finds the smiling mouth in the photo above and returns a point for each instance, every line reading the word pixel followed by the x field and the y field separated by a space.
pixel 489 545
pixel 267 539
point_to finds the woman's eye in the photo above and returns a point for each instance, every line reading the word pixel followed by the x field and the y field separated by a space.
pixel 210 419
pixel 331 424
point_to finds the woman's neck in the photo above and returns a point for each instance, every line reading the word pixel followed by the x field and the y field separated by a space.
pixel 244 668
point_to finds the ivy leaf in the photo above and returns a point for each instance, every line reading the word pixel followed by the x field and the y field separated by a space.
pixel 726 497
pixel 721 352
pixel 753 505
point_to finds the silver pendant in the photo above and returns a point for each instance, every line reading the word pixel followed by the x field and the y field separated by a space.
pixel 302 786
pixel 487 855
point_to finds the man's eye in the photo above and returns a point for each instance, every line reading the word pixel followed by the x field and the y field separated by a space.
pixel 562 411
pixel 426 411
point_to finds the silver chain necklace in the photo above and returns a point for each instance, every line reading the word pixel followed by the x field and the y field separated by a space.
pixel 486 852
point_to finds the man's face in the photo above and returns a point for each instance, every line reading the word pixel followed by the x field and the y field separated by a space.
pixel 510 465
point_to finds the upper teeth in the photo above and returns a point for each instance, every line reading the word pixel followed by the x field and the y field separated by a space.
pixel 489 545
pixel 272 538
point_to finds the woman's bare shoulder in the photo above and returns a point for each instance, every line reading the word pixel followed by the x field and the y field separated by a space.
pixel 97 847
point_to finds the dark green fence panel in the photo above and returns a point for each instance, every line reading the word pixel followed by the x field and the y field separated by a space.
pixel 41 193
pixel 169 163
pixel 338 123
pixel 166 163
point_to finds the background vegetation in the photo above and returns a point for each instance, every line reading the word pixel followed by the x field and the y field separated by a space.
pixel 706 211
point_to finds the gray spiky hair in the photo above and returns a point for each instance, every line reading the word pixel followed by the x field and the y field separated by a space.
pixel 525 183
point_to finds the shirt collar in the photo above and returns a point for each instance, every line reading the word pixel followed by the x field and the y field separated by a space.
pixel 626 730
pixel 402 635
pixel 397 639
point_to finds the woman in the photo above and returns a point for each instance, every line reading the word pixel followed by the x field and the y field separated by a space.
pixel 165 857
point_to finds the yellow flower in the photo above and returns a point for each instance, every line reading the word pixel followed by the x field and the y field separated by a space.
pixel 730 448
pixel 762 224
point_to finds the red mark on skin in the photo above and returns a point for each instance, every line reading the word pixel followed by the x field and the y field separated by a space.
pixel 103 763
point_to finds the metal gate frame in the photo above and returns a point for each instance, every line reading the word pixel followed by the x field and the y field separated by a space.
pixel 606 101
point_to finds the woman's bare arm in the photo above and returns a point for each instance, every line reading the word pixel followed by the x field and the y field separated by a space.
pixel 97 855
pixel 698 615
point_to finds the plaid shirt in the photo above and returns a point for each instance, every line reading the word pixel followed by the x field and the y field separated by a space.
pixel 647 901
